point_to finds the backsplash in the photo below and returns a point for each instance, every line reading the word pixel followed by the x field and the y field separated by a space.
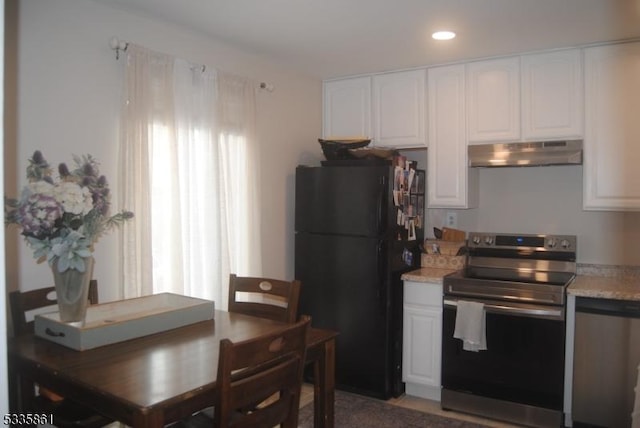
pixel 442 261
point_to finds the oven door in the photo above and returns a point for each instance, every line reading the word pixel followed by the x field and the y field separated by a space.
pixel 524 360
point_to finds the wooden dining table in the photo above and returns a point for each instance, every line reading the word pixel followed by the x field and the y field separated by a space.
pixel 160 378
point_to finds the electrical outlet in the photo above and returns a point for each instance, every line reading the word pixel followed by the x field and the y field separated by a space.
pixel 451 219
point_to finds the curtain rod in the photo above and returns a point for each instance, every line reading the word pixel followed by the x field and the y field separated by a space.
pixel 120 45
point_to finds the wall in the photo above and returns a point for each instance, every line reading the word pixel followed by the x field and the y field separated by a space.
pixel 4 376
pixel 68 102
pixel 545 200
pixel 549 200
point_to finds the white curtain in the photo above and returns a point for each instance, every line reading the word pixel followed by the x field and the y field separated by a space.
pixel 189 166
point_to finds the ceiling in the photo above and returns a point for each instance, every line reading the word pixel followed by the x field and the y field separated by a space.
pixel 335 38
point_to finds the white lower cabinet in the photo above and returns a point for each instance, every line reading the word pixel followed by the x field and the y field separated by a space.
pixel 422 339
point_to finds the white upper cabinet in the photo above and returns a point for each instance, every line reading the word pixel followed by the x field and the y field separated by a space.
pixel 451 184
pixel 493 100
pixel 552 95
pixel 399 109
pixel 526 98
pixel 612 128
pixel 521 98
pixel 347 108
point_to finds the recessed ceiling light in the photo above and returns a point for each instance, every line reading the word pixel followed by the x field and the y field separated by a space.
pixel 443 35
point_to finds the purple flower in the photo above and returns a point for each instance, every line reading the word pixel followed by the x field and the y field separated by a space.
pixel 100 201
pixel 87 181
pixel 63 170
pixel 39 214
pixel 38 167
pixel 38 158
pixel 88 169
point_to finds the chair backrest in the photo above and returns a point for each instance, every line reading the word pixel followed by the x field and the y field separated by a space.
pixel 250 372
pixel 22 302
pixel 269 298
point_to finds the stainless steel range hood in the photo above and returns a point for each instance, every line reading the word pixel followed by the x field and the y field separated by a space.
pixel 539 153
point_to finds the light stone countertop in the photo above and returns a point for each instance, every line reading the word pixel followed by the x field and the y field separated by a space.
pixel 427 274
pixel 616 288
pixel 606 282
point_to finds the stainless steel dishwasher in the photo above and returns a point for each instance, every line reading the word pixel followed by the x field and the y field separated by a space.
pixel 607 356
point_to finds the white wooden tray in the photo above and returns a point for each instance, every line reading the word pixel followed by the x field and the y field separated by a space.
pixel 113 322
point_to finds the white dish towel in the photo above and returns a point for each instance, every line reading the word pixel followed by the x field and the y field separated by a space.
pixel 471 326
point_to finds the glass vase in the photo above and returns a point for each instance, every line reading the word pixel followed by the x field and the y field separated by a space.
pixel 72 292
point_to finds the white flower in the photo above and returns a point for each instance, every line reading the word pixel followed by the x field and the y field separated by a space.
pixel 39 187
pixel 73 198
pixel 62 220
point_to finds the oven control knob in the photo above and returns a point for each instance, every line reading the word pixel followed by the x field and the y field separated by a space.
pixel 551 243
pixel 488 240
pixel 565 244
pixel 476 240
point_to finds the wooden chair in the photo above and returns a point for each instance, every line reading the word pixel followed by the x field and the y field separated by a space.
pixel 258 382
pixel 22 302
pixel 266 370
pixel 66 413
pixel 266 298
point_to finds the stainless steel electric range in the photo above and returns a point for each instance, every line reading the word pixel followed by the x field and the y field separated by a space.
pixel 521 281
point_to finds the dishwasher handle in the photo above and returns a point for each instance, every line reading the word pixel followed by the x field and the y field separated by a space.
pixel 618 308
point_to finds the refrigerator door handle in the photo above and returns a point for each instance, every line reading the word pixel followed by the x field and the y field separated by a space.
pixel 382 195
pixel 382 269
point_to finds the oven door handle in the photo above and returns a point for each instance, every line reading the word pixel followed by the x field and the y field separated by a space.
pixel 511 310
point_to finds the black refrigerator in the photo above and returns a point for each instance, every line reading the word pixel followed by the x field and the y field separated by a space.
pixel 358 229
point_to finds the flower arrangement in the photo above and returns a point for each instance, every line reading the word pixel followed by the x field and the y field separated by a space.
pixel 62 220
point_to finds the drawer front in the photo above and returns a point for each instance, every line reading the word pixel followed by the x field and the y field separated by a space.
pixel 422 293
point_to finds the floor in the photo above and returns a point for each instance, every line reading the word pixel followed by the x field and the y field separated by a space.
pixel 423 405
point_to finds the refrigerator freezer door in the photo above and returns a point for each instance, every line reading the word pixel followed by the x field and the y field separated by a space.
pixel 343 200
pixel 345 287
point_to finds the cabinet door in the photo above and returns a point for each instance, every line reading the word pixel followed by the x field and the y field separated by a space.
pixel 552 95
pixel 422 336
pixel 347 108
pixel 612 129
pixel 493 99
pixel 451 184
pixel 399 109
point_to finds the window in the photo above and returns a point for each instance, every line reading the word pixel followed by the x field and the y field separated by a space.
pixel 189 174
